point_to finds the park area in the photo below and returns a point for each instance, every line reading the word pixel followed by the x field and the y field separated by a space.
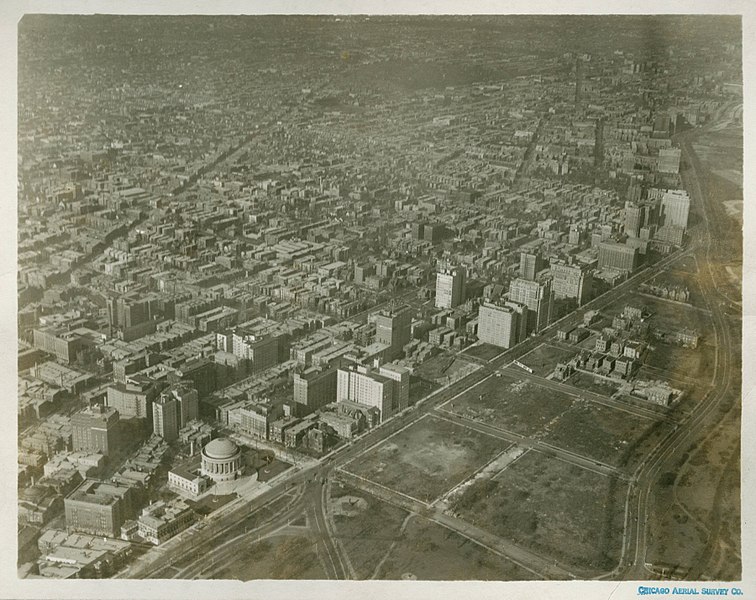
pixel 551 507
pixel 514 405
pixel 430 552
pixel 386 542
pixel 279 557
pixel 427 459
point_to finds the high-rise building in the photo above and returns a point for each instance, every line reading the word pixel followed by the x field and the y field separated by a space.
pixel 675 208
pixel 95 429
pixel 620 257
pixel 571 281
pixel 165 417
pixel 313 389
pixel 635 215
pixel 362 385
pixel 392 327
pixel 502 325
pixel 134 398
pixel 176 406
pixel 450 287
pixel 401 378
pixel 537 297
pixel 530 265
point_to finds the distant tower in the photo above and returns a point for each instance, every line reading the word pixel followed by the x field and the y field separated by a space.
pixel 578 80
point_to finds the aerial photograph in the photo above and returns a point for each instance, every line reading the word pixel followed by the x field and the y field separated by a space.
pixel 389 297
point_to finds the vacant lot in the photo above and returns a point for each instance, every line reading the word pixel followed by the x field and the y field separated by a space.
pixel 668 316
pixel 512 404
pixel 484 351
pixel 552 507
pixel 444 368
pixel 609 435
pixel 429 551
pixel 692 364
pixel 427 459
pixel 544 358
pixel 282 557
pixel 686 264
pixel 682 279
pixel 592 383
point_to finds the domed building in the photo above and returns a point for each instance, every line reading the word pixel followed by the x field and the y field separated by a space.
pixel 221 460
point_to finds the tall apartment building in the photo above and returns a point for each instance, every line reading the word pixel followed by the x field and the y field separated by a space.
pixel 257 417
pixel 95 429
pixel 634 218
pixel 187 401
pixel 502 325
pixel 134 398
pixel 530 264
pixel 450 287
pixel 537 297
pixel 313 389
pixel 135 308
pixel 620 257
pixel 401 378
pixel 675 208
pixel 571 281
pixel 263 351
pixel 392 327
pixel 364 386
pixel 165 417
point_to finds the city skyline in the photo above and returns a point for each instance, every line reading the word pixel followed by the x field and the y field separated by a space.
pixel 324 297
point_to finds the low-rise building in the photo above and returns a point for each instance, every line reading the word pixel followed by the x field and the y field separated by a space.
pixel 161 521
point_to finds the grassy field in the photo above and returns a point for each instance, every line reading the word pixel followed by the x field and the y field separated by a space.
pixel 609 435
pixel 544 358
pixel 427 459
pixel 431 552
pixel 514 405
pixel 367 532
pixel 282 557
pixel 554 508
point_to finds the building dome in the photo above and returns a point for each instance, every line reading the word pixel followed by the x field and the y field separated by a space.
pixel 221 448
pixel 221 460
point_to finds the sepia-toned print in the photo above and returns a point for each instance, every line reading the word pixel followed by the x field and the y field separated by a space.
pixel 380 297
